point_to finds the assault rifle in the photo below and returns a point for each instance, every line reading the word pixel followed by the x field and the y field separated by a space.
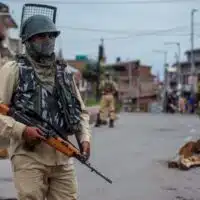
pixel 52 136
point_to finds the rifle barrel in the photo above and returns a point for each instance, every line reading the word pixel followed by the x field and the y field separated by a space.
pixel 97 172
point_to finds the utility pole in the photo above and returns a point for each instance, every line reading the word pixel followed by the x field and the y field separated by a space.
pixel 100 58
pixel 165 77
pixel 138 85
pixel 178 60
pixel 165 81
pixel 193 70
pixel 130 73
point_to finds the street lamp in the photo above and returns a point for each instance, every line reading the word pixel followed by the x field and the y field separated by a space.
pixel 165 75
pixel 178 60
pixel 192 50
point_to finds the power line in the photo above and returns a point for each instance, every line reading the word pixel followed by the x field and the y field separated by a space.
pixel 132 36
pixel 140 33
pixel 176 31
pixel 95 30
pixel 136 32
pixel 107 2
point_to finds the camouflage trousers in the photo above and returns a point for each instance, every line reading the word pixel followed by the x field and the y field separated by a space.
pixel 107 107
pixel 34 181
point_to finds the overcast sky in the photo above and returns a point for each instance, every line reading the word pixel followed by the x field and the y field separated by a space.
pixel 127 20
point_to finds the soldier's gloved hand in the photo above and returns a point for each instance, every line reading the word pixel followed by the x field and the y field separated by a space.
pixel 85 150
pixel 32 133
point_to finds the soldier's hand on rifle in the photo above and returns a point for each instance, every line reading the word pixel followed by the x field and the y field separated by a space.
pixel 86 150
pixel 32 133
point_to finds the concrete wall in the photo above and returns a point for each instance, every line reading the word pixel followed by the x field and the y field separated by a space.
pixel 147 85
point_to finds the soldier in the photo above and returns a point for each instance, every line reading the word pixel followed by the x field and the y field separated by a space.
pixel 107 104
pixel 33 81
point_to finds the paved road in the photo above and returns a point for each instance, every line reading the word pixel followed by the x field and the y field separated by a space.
pixel 134 156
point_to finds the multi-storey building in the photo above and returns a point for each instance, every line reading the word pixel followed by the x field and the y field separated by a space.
pixel 135 81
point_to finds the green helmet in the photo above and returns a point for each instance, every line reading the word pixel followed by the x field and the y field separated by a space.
pixel 37 24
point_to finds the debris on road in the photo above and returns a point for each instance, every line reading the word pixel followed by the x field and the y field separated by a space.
pixel 188 156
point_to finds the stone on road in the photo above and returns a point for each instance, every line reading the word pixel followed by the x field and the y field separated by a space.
pixel 134 155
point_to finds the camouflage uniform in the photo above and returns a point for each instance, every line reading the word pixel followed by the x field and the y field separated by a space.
pixel 107 103
pixel 41 173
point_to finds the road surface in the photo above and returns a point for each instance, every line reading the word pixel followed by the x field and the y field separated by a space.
pixel 134 156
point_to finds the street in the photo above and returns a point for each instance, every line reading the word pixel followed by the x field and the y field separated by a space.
pixel 134 156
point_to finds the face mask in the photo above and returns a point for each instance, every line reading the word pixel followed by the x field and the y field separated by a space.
pixel 45 47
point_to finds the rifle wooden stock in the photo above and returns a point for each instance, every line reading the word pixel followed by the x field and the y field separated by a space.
pixel 63 146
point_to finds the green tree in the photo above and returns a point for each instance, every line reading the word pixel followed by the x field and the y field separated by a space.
pixel 90 71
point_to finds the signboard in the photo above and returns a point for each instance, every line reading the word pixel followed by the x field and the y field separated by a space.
pixel 81 57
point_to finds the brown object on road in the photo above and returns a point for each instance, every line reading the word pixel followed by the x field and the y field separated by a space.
pixel 188 156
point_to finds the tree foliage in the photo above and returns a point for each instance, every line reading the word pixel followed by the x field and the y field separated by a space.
pixel 90 71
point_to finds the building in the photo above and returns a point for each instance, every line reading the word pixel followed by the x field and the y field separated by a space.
pixel 78 64
pixel 135 81
pixel 185 69
pixel 6 22
pixel 196 53
pixel 82 84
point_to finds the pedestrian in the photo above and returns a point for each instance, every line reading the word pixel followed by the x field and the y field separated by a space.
pixel 182 107
pixel 33 81
pixel 191 104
